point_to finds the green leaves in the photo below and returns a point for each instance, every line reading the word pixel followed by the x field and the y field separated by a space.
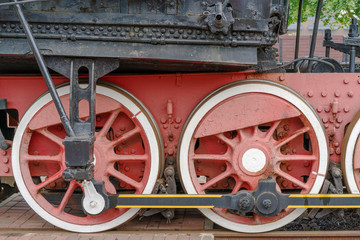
pixel 334 12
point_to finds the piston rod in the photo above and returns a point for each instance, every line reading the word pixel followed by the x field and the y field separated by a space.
pixel 44 71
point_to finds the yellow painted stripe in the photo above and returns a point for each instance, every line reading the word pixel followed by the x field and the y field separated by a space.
pixel 322 206
pixel 145 206
pixel 167 196
pixel 324 195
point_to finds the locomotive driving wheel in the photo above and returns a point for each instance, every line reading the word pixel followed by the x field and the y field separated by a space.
pixel 247 131
pixel 350 155
pixel 127 155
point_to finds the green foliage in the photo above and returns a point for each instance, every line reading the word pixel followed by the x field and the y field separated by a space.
pixel 342 11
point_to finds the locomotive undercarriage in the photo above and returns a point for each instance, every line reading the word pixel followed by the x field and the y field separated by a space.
pixel 247 147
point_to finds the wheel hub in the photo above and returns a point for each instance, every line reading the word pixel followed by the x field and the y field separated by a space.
pixel 253 160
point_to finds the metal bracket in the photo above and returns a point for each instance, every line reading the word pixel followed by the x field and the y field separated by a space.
pixel 79 149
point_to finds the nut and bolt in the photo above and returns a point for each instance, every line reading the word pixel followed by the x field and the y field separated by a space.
pixel 267 203
pixel 93 204
pixel 244 203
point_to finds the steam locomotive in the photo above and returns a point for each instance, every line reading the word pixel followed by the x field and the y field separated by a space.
pixel 137 101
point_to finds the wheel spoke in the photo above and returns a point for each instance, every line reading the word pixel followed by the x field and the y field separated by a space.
pixel 212 157
pixel 237 185
pixel 296 158
pixel 230 142
pixel 126 136
pixel 294 135
pixel 109 187
pixel 49 180
pixel 291 178
pixel 124 178
pixel 54 158
pixel 46 133
pixel 272 129
pixel 68 194
pixel 117 157
pixel 215 180
pixel 109 122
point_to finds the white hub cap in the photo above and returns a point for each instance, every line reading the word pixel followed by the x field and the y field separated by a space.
pixel 253 160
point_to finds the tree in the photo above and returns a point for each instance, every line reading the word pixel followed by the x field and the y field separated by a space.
pixel 334 12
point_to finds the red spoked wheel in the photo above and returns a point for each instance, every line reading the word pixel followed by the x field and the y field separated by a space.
pixel 127 158
pixel 247 131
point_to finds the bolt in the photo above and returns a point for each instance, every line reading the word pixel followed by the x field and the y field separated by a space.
pixel 127 169
pixel 289 168
pixel 326 125
pixel 284 183
pixel 358 81
pixel 327 109
pixel 325 119
pixel 163 120
pixel 346 81
pixel 165 145
pixel 319 109
pixel 336 144
pixel 310 93
pixel 281 78
pixel 338 151
pixel 244 203
pixel 6 169
pixel 98 118
pixel 171 151
pixel 350 94
pixel 346 109
pixel 122 128
pixel 6 160
pixel 339 119
pixel 267 203
pixel 306 164
pixel 165 126
pixel 169 172
pixel 133 151
pixel 3 153
pixel 337 125
pixel 93 204
pixel 295 186
pixel 337 93
pixel 331 151
pixel 178 120
pixel 336 173
pixel 294 150
pixel 223 168
pixel 176 126
pixel 323 93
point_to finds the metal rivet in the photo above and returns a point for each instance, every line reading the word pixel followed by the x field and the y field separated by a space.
pixel 310 93
pixel 331 151
pixel 338 151
pixel 350 94
pixel 346 109
pixel 346 81
pixel 323 93
pixel 337 93
pixel 319 109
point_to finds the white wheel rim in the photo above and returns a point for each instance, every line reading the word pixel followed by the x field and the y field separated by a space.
pixel 249 87
pixel 154 151
pixel 349 158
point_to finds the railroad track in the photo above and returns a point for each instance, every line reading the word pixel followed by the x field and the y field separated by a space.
pixel 20 234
